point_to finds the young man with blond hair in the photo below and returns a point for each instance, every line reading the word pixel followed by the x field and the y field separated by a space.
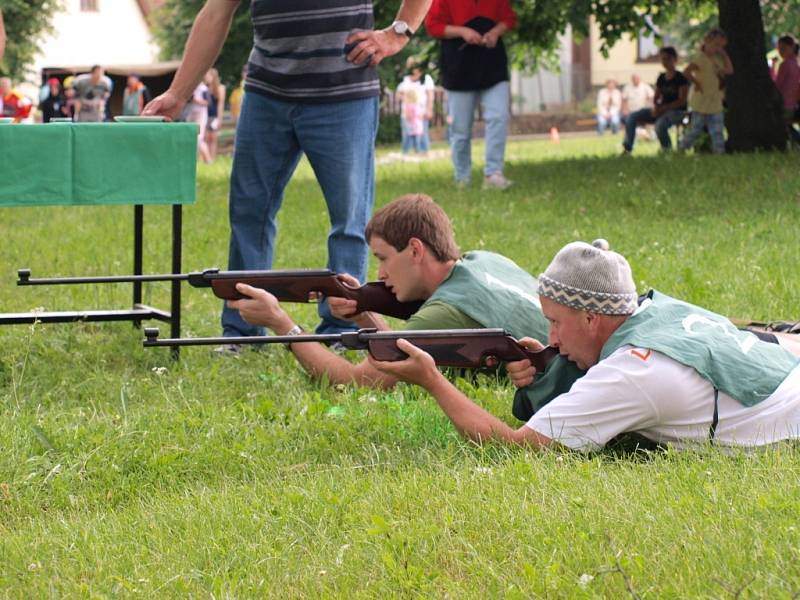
pixel 418 259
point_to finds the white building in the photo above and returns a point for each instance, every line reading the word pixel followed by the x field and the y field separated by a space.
pixel 104 32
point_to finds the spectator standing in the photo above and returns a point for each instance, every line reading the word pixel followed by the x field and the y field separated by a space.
pixel 788 82
pixel 474 69
pixel 609 107
pixel 55 105
pixel 706 71
pixel 92 91
pixel 323 103
pixel 424 88
pixel 412 121
pixel 237 95
pixel 216 108
pixel 72 102
pixel 13 102
pixel 197 112
pixel 672 89
pixel 134 97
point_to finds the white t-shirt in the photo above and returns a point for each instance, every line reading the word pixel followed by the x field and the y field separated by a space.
pixel 643 391
pixel 609 102
pixel 421 87
pixel 638 96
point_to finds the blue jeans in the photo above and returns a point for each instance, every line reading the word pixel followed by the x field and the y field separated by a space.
pixel 418 143
pixel 494 104
pixel 663 123
pixel 339 140
pixel 716 125
pixel 603 122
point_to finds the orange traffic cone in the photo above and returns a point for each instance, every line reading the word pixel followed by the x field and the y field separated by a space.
pixel 554 135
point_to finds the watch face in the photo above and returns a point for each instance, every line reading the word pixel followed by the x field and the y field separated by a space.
pixel 400 27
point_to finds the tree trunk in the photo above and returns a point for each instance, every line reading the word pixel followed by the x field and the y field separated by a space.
pixel 754 116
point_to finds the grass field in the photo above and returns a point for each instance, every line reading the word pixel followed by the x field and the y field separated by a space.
pixel 125 474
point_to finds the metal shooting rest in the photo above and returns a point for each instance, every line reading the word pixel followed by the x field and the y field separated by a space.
pixel 102 164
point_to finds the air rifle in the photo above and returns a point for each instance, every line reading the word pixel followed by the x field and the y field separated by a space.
pixel 463 348
pixel 286 285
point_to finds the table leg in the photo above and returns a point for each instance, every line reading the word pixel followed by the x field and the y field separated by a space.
pixel 138 225
pixel 177 244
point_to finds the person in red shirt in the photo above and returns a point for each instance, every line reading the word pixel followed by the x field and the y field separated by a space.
pixel 474 68
pixel 14 103
pixel 788 82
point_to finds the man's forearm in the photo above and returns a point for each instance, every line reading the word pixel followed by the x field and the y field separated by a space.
pixel 413 12
pixel 205 41
pixel 471 420
pixel 318 361
pixel 2 36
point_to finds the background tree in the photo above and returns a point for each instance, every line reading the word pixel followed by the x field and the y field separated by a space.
pixel 172 22
pixel 27 22
pixel 754 114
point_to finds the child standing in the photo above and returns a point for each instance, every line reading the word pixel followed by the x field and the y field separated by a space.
pixel 706 71
pixel 413 118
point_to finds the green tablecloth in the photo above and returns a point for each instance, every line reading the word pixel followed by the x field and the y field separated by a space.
pixel 98 163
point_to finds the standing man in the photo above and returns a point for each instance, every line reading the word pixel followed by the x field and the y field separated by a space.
pixel 312 87
pixel 92 91
pixel 474 69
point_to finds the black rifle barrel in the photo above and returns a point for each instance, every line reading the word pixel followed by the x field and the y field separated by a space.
pixel 350 339
pixel 25 278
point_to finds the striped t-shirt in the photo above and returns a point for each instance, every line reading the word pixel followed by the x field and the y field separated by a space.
pixel 299 50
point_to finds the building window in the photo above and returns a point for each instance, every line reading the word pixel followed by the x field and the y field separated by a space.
pixel 90 5
pixel 648 44
pixel 647 47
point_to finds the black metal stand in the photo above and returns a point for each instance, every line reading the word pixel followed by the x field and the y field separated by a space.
pixel 139 312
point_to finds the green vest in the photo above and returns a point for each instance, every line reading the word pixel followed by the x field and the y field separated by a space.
pixel 733 361
pixel 494 291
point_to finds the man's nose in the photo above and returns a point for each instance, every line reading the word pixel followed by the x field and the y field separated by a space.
pixel 552 338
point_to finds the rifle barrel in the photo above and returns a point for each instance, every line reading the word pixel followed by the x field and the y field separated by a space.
pixel 152 339
pixel 25 278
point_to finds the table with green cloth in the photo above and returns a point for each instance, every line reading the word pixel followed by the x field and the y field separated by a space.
pixel 136 164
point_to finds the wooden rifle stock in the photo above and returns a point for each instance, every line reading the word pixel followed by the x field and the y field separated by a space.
pixel 462 348
pixel 296 285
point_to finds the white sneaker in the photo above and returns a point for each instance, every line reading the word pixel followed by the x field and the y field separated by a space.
pixel 496 181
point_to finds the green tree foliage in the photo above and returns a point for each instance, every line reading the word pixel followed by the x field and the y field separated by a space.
pixel 26 22
pixel 172 22
pixel 535 40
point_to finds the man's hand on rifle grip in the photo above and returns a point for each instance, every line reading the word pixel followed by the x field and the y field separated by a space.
pixel 419 368
pixel 521 372
pixel 345 308
pixel 261 308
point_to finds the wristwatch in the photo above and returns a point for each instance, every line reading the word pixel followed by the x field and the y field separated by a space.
pixel 402 28
pixel 296 330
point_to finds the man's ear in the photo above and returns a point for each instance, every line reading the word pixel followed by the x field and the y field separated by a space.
pixel 418 249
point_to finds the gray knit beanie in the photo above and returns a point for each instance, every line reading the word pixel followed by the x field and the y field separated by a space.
pixel 590 278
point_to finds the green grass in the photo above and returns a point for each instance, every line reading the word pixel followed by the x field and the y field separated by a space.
pixel 125 474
